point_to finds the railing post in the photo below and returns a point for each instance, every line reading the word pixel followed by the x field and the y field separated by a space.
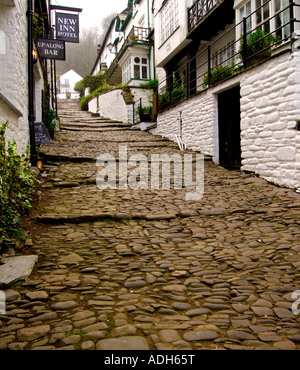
pixel 209 65
pixel 244 51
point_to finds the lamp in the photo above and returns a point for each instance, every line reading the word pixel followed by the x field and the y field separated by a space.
pixel 110 48
pixel 34 56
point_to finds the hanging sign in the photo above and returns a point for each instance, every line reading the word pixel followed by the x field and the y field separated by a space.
pixel 67 27
pixel 52 49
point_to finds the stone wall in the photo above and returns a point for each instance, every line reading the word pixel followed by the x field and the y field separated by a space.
pixel 270 98
pixel 13 72
pixel 116 106
pixel 268 120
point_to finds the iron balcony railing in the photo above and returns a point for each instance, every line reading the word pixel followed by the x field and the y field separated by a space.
pixel 137 35
pixel 199 10
pixel 252 46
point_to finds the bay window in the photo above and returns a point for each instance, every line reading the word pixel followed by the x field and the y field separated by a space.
pixel 135 68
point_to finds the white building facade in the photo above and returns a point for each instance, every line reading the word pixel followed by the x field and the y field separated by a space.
pixel 14 89
pixel 240 110
pixel 66 85
pixel 127 50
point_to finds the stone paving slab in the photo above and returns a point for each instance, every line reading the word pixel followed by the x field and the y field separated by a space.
pixel 149 270
pixel 16 268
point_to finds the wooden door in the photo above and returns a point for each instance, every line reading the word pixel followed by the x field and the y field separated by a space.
pixel 229 113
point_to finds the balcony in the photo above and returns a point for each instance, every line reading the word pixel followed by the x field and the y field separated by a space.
pixel 199 10
pixel 137 36
pixel 207 17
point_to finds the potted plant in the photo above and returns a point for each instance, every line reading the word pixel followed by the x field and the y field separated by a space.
pixel 258 46
pixel 145 113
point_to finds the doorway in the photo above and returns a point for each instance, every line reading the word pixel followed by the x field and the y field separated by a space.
pixel 229 112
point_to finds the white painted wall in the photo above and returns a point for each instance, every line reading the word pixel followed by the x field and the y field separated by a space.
pixel 72 77
pixel 112 104
pixel 270 101
pixel 13 72
pixel 165 51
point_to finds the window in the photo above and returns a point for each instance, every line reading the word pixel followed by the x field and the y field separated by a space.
pixel 224 56
pixel 126 71
pixel 282 19
pixel 245 11
pixel 135 68
pixel 169 19
pixel 267 15
pixel 140 68
pixel 263 14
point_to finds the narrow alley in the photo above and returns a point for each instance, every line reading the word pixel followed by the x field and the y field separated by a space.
pixel 147 269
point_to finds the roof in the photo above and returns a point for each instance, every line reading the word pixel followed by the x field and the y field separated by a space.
pixel 104 43
pixel 71 70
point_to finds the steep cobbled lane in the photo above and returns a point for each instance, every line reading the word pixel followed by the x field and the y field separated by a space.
pixel 147 269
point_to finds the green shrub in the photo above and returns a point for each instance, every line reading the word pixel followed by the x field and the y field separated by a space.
pixel 51 121
pixel 16 185
pixel 152 84
pixel 93 82
pixel 257 41
pixel 84 102
pixel 217 74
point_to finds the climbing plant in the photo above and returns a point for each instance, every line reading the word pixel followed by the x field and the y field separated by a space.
pixel 16 185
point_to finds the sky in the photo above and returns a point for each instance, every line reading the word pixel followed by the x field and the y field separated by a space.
pixel 93 11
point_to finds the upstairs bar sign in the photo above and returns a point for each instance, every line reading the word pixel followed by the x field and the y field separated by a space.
pixel 52 49
pixel 67 27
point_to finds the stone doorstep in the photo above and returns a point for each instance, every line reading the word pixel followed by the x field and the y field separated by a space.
pixel 16 268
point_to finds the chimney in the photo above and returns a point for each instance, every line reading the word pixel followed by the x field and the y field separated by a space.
pixel 98 48
pixel 73 66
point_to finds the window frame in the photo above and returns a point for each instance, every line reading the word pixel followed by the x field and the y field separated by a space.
pixel 169 19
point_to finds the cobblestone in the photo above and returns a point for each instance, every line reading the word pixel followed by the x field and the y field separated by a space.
pixel 147 269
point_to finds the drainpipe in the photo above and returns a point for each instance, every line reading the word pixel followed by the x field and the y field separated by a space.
pixel 149 55
pixel 31 116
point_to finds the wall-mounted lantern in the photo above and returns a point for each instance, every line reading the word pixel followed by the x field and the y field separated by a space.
pixel 111 47
pixel 34 56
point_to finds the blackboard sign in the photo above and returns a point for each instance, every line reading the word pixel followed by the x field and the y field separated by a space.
pixel 67 27
pixel 52 49
pixel 41 134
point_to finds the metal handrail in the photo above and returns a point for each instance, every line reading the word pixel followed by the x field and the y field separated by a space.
pixel 240 57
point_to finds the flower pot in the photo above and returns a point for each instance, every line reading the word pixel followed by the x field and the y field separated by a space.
pixel 145 117
pixel 257 58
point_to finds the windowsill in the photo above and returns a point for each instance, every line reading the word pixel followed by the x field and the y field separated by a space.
pixel 11 105
pixel 168 37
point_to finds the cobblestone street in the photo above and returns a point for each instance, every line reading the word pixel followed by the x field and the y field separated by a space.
pixel 147 269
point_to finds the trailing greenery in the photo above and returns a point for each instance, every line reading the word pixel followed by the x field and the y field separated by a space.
pixel 84 102
pixel 152 84
pixel 16 185
pixel 51 121
pixel 177 94
pixel 258 40
pixel 218 74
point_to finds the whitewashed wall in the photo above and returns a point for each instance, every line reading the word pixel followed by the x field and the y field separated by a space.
pixel 270 106
pixel 13 72
pixel 270 143
pixel 112 104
